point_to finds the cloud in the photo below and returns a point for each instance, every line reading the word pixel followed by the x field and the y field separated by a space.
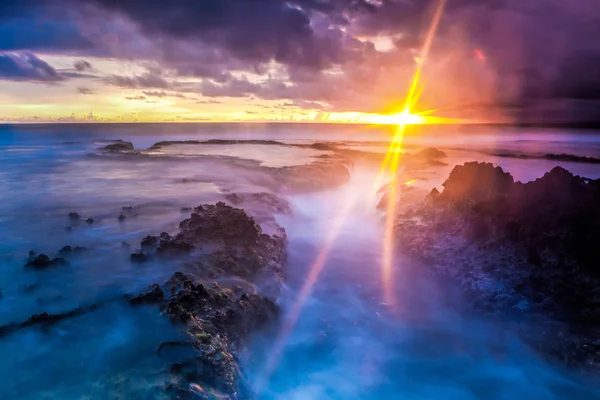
pixel 209 101
pixel 150 79
pixel 82 65
pixel 162 93
pixel 26 66
pixel 135 98
pixel 84 90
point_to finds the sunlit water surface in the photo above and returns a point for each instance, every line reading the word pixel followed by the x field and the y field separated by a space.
pixel 347 343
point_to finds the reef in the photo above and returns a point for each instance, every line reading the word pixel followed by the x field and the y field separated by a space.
pixel 119 146
pixel 216 241
pixel 525 250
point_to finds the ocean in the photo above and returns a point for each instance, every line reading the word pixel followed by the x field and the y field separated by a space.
pixel 346 344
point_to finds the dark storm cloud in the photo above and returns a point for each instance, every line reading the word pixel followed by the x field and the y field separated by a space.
pixel 251 30
pixel 26 66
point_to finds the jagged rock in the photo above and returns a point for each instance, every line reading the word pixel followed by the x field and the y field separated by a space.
pixel 68 250
pixel 154 295
pixel 43 261
pixel 119 146
pixel 139 258
pixel 217 319
pixel 431 153
pixel 74 216
pixel 273 202
pixel 514 247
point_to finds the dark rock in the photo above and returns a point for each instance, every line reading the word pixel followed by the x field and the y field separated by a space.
pixel 127 208
pixel 65 250
pixel 218 319
pixel 90 221
pixel 125 245
pixel 154 295
pixel 139 258
pixel 431 153
pixel 43 261
pixel 74 216
pixel 538 241
pixel 149 242
pixel 121 218
pixel 271 201
pixel 475 181
pixel 68 250
pixel 119 146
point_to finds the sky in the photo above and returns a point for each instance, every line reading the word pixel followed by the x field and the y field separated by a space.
pixel 296 60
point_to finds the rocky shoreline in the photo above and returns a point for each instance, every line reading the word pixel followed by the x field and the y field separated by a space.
pixel 216 241
pixel 525 252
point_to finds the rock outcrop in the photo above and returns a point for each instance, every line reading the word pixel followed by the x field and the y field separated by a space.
pixel 519 248
pixel 217 241
pixel 119 146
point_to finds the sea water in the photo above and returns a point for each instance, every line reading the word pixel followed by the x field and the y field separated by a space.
pixel 347 342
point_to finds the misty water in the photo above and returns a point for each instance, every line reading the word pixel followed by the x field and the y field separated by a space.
pixel 348 342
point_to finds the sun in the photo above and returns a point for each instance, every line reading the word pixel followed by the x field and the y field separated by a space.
pixel 407 118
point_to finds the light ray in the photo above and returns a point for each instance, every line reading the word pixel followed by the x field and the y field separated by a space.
pixel 292 317
pixel 391 161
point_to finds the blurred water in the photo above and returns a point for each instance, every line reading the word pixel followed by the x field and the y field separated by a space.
pixel 346 344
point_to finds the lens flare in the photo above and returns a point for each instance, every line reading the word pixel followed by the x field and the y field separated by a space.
pixel 392 158
pixel 390 165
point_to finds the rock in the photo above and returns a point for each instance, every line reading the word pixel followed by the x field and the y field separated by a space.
pixel 121 218
pixel 43 261
pixel 119 146
pixel 90 221
pixel 139 258
pixel 127 208
pixel 475 181
pixel 431 153
pixel 154 295
pixel 218 320
pixel 529 248
pixel 270 201
pixel 74 216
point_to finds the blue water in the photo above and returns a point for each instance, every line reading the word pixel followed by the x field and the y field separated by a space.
pixel 347 343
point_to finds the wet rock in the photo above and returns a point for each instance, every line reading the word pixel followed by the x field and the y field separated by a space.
pixel 46 319
pixel 154 295
pixel 90 221
pixel 122 218
pixel 218 320
pixel 431 153
pixel 528 248
pixel 68 250
pixel 270 201
pixel 139 258
pixel 43 261
pixel 119 146
pixel 74 216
